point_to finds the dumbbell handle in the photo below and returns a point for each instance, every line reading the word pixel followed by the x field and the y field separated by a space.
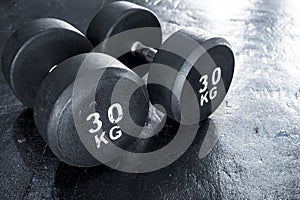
pixel 143 51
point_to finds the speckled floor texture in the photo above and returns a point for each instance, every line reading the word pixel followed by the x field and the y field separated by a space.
pixel 258 125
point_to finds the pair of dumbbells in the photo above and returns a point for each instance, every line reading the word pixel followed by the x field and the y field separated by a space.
pixel 189 76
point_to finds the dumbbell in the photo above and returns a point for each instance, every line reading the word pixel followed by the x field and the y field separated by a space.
pixel 42 61
pixel 189 74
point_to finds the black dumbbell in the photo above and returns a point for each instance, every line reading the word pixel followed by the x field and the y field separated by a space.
pixel 190 73
pixel 42 61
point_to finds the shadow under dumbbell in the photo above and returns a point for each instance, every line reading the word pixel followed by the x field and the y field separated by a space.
pixel 31 145
pixel 182 179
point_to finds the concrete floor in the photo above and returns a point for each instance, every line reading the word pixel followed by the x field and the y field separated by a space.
pixel 258 125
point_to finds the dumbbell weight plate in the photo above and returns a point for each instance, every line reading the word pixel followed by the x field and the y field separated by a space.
pixel 53 112
pixel 34 49
pixel 121 16
pixel 190 75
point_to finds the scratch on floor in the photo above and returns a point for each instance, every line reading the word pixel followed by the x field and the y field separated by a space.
pixel 32 174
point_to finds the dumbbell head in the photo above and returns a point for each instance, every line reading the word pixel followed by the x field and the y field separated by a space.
pixel 66 114
pixel 190 75
pixel 34 49
pixel 120 17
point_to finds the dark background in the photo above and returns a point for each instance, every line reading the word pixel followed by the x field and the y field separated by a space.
pixel 258 125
